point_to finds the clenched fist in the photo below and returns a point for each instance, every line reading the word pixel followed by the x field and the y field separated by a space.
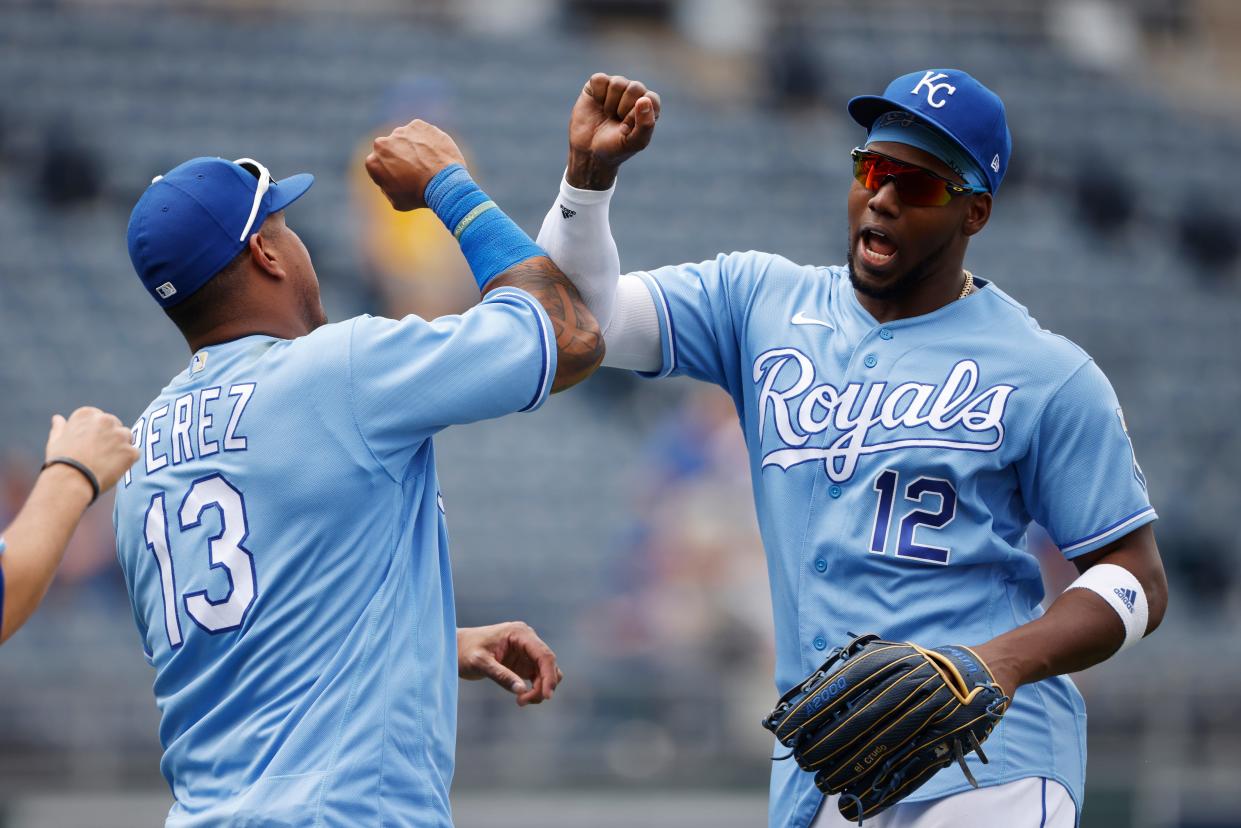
pixel 613 119
pixel 96 439
pixel 403 163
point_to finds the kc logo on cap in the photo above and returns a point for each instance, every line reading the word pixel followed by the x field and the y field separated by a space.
pixel 929 81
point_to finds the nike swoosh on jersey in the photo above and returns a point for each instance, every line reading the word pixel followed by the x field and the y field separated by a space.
pixel 800 318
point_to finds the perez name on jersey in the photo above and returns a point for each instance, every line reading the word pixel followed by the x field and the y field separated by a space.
pixel 194 425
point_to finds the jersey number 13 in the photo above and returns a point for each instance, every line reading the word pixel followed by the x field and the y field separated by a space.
pixel 224 550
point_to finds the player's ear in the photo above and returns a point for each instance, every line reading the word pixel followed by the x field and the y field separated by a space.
pixel 265 254
pixel 977 213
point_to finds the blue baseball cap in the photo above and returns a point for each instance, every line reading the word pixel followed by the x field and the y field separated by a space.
pixel 953 103
pixel 196 218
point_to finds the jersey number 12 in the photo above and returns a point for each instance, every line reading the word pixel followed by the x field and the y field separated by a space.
pixel 887 484
pixel 224 550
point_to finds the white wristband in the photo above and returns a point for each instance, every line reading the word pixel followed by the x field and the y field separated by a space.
pixel 1123 593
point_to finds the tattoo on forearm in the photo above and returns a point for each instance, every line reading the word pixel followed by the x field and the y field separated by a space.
pixel 579 342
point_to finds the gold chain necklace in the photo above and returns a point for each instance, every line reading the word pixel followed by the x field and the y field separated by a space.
pixel 969 285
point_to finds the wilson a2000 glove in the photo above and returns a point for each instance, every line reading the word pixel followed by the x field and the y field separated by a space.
pixel 879 718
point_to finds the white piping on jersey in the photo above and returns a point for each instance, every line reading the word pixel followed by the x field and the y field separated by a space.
pixel 1116 529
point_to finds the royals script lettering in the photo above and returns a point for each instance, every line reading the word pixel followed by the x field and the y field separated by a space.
pixel 872 418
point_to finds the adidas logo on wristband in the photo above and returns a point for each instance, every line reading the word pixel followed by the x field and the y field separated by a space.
pixel 1127 596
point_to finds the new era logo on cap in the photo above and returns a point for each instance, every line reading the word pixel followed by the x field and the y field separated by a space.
pixel 1127 596
pixel 953 103
pixel 166 290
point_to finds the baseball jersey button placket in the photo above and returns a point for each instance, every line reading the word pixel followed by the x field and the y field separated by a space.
pixel 820 643
pixel 885 334
pixel 835 491
pixel 871 361
pixel 820 565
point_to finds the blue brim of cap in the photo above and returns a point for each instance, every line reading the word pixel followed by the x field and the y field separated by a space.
pixel 288 190
pixel 866 109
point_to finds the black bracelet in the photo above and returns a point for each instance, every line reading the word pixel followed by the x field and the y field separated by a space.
pixel 87 473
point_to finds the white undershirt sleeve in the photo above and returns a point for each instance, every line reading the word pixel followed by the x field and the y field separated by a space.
pixel 578 238
pixel 632 339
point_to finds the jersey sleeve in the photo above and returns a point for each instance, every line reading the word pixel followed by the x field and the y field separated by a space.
pixel 1081 479
pixel 702 309
pixel 411 377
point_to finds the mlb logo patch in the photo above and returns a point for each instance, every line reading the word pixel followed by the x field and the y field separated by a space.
pixel 199 362
pixel 165 290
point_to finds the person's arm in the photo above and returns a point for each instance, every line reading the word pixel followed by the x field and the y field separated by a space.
pixel 36 539
pixel 510 654
pixel 612 120
pixel 684 319
pixel 1080 629
pixel 420 166
pixel 1081 482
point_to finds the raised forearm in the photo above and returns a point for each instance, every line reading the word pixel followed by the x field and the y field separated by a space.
pixel 420 166
pixel 578 237
pixel 36 541
pixel 613 119
pixel 587 171
pixel 500 254
pixel 579 342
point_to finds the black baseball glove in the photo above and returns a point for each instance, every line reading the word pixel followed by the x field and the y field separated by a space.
pixel 879 718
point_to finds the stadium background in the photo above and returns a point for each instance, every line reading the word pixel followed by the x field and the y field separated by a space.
pixel 618 520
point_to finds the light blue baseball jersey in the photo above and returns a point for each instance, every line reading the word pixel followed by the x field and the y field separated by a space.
pixel 287 561
pixel 896 468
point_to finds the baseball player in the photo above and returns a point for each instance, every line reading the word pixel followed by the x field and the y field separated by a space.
pixel 906 420
pixel 86 455
pixel 283 537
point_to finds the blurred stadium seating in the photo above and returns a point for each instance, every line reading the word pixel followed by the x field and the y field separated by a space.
pixel 543 509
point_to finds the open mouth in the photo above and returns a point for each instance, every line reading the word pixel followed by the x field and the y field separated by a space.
pixel 875 247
